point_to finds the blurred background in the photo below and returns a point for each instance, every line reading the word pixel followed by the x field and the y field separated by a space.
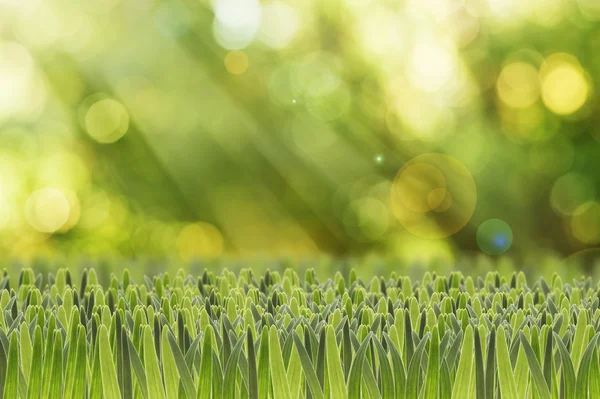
pixel 414 130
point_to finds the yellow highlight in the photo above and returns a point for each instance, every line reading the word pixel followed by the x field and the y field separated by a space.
pixel 433 196
pixel 416 184
pixel 236 62
pixel 106 121
pixel 47 210
pixel 585 223
pixel 439 200
pixel 518 85
pixel 564 85
pixel 199 240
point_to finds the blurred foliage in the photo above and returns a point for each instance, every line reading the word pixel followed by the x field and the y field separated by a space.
pixel 154 128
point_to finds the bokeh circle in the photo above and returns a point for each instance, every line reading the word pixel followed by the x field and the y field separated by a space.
pixel 433 196
pixel 494 237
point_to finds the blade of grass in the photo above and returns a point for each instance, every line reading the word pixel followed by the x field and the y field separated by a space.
pixel 110 384
pixel 535 369
pixel 252 375
pixel 462 384
pixel 279 382
pixel 205 373
pixel 355 376
pixel 414 369
pixel 433 366
pixel 154 378
pixel 56 377
pixel 11 385
pixel 231 370
pixel 337 385
pixel 506 379
pixel 184 372
pixel 35 378
pixel 169 368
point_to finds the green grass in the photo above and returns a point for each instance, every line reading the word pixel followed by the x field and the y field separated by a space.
pixel 278 336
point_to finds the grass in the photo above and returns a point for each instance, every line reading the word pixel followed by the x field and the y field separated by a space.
pixel 278 336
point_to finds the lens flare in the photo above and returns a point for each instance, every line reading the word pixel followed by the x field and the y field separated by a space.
pixel 494 237
pixel 107 121
pixel 47 210
pixel 564 85
pixel 433 196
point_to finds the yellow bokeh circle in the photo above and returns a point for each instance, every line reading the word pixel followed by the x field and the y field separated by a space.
pixel 236 62
pixel 585 223
pixel 47 210
pixel 106 121
pixel 518 85
pixel 199 240
pixel 433 196
pixel 565 88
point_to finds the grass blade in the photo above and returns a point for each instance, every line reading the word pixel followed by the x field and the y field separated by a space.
pixel 205 373
pixel 337 385
pixel 35 378
pixel 433 366
pixel 506 379
pixel 535 369
pixel 184 372
pixel 110 384
pixel 11 384
pixel 462 384
pixel 231 370
pixel 56 376
pixel 281 389
pixel 154 378
pixel 414 370
pixel 307 366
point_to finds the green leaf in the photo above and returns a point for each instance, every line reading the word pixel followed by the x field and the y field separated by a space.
pixel 71 354
pixel 95 390
pixel 535 369
pixel 169 368
pixel 138 368
pixel 355 376
pixel 78 390
pixel 26 353
pixel 110 384
pixel 370 381
pixel 506 379
pixel 307 366
pixel 294 370
pixel 184 372
pixel 594 388
pixel 47 369
pixel 281 389
pixel 231 369
pixel 479 369
pixel 445 381
pixel 388 390
pixel 433 366
pixel 414 370
pixel 398 368
pixel 264 374
pixel 462 383
pixel 35 377
pixel 205 376
pixel 252 375
pixel 337 385
pixel 579 339
pixel 490 371
pixel 11 384
pixel 56 376
pixel 154 378
pixel 581 389
pixel 567 367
